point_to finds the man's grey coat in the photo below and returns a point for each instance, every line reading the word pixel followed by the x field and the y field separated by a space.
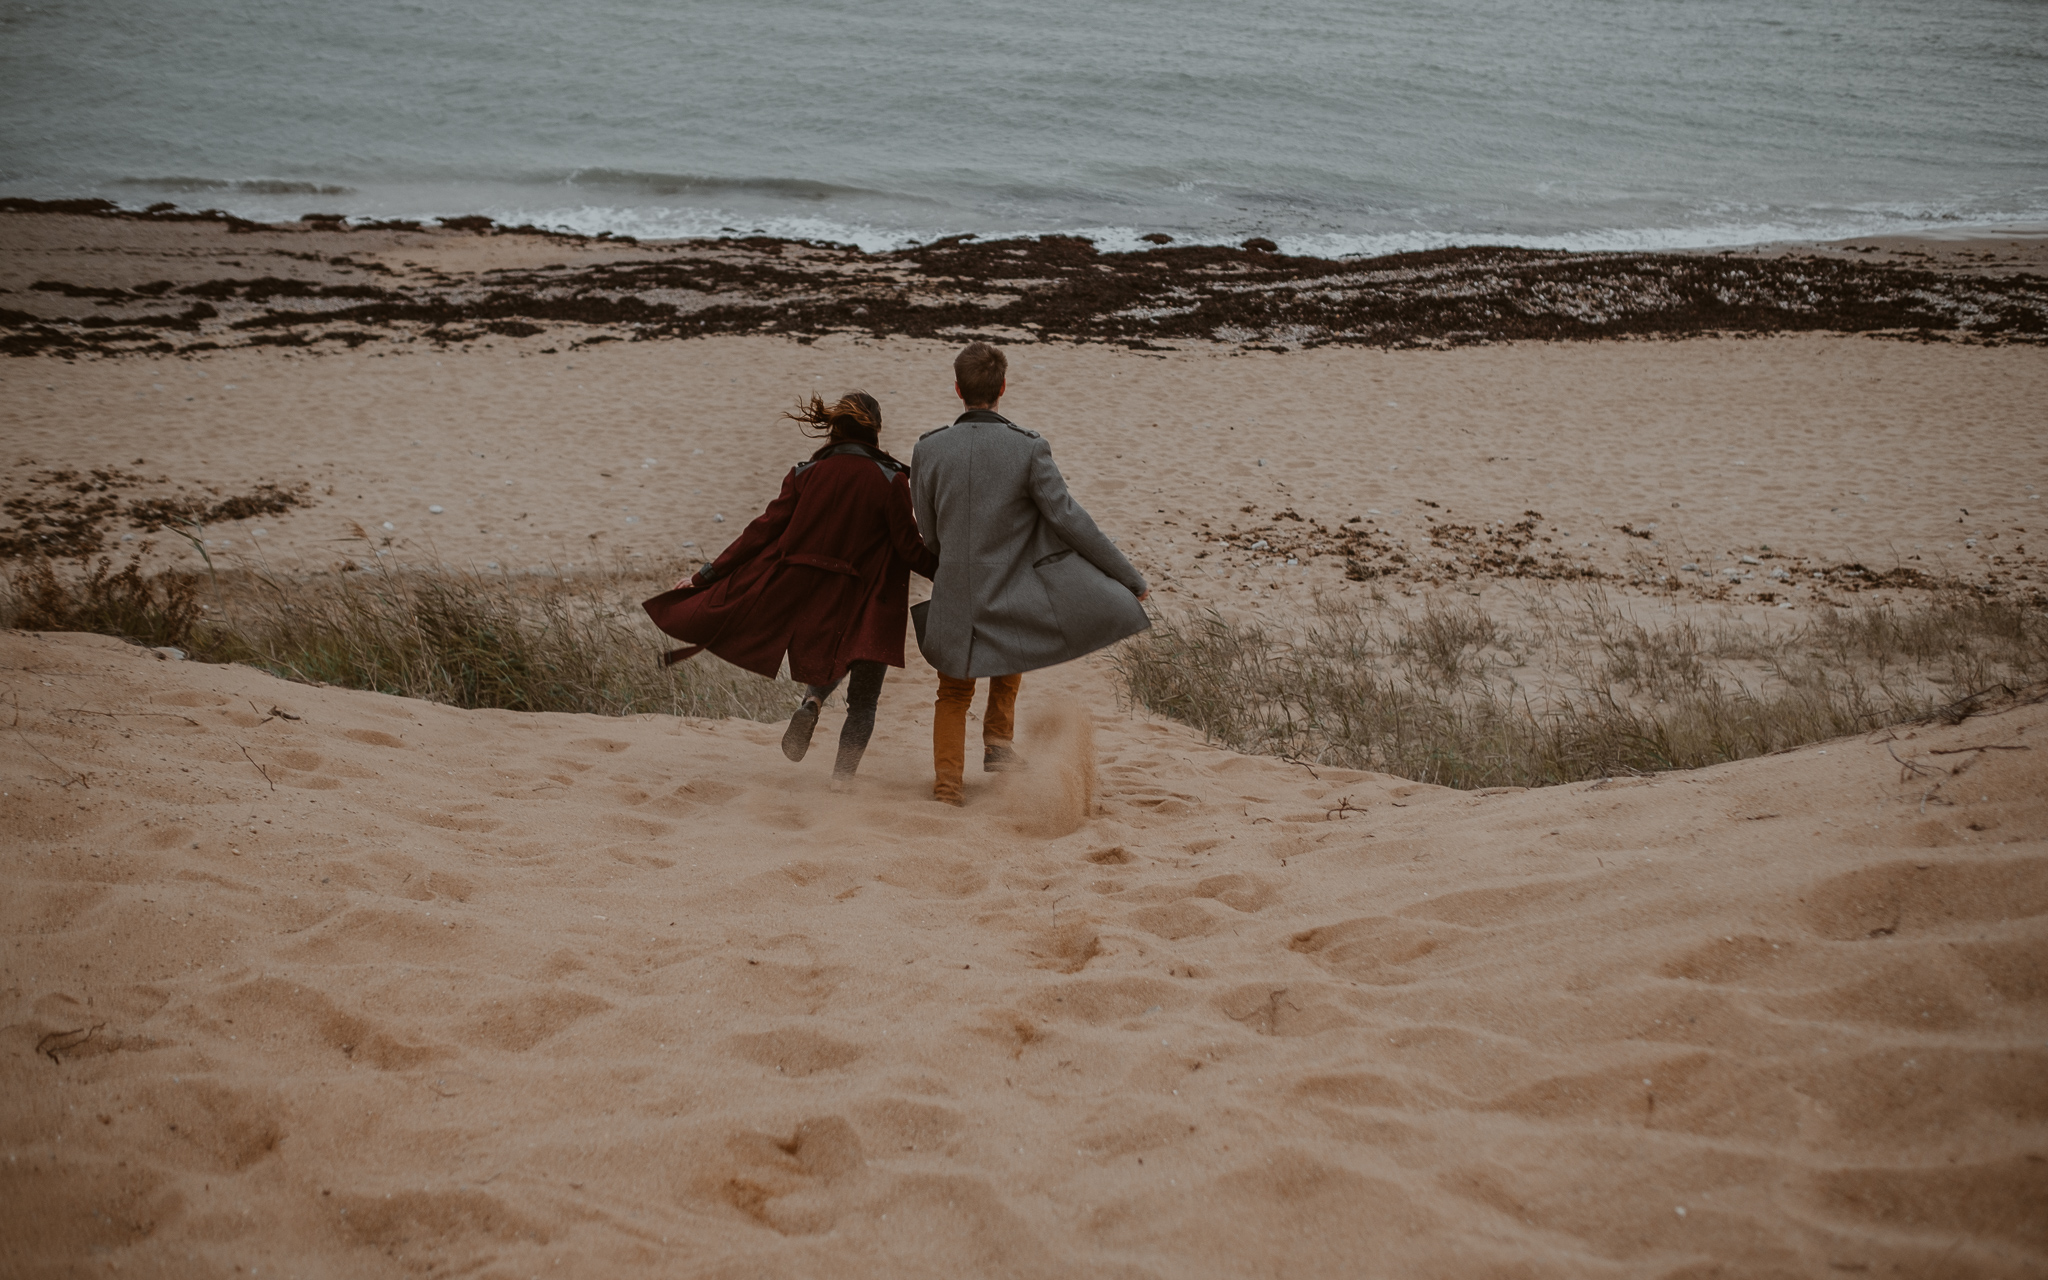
pixel 1025 578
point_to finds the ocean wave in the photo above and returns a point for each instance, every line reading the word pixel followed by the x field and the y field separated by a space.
pixel 677 184
pixel 251 186
pixel 709 224
pixel 690 224
pixel 788 216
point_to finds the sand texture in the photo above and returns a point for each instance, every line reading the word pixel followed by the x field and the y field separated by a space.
pixel 1849 457
pixel 320 982
pixel 306 981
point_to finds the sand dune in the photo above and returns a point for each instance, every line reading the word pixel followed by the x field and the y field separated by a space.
pixel 306 981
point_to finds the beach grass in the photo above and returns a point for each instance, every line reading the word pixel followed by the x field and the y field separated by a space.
pixel 1572 687
pixel 469 639
pixel 1564 686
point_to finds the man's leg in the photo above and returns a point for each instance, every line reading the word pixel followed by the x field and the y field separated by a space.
pixel 949 738
pixel 999 724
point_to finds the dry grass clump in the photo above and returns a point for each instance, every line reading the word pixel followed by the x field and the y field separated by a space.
pixel 549 644
pixel 1455 696
pixel 158 610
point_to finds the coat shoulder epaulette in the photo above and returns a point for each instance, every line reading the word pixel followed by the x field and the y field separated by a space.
pixel 890 467
pixel 934 431
pixel 1022 431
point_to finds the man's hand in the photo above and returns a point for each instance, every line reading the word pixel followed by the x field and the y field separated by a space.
pixel 1147 596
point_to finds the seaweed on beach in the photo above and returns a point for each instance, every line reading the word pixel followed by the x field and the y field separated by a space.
pixel 64 514
pixel 1059 288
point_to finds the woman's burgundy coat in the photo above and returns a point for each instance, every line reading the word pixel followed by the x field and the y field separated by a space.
pixel 823 575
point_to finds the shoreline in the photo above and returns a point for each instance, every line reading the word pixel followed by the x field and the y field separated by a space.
pixel 1109 238
pixel 90 278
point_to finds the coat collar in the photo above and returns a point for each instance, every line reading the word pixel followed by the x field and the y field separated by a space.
pixel 982 415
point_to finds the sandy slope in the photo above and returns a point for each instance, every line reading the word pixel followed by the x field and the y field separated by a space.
pixel 392 988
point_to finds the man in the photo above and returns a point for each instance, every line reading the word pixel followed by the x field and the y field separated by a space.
pixel 1025 578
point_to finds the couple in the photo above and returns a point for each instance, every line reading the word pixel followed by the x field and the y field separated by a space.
pixel 1021 577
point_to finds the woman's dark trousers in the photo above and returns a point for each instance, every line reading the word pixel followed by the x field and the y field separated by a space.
pixel 863 691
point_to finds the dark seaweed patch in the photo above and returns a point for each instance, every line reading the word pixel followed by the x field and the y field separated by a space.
pixel 67 514
pixel 1064 288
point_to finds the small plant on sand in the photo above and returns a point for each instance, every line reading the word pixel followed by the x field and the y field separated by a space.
pixel 470 640
pixel 160 609
pixel 1453 696
pixel 459 637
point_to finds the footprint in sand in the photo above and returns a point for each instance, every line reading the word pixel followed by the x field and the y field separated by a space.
pixel 1238 892
pixel 285 1014
pixel 1066 948
pixel 1115 1134
pixel 211 1126
pixel 1372 949
pixel 1296 1009
pixel 518 1023
pixel 1897 898
pixel 796 1051
pixel 370 935
pixel 421 1224
pixel 1483 908
pixel 1329 1216
pixel 1185 919
pixel 902 1124
pixel 934 877
pixel 1101 1001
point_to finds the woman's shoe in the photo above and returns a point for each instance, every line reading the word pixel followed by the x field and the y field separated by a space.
pixel 796 740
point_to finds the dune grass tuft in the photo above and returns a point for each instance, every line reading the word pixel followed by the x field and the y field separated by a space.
pixel 452 636
pixel 1574 689
pixel 160 609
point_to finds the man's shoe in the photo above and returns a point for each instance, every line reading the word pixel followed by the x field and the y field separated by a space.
pixel 957 802
pixel 796 740
pixel 1001 759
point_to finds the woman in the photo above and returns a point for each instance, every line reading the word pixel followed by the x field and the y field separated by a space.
pixel 822 577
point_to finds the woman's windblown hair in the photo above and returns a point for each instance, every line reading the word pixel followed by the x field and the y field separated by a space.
pixel 857 417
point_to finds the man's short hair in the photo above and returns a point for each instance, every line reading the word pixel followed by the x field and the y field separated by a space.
pixel 980 371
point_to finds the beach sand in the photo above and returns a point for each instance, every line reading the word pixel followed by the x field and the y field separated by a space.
pixel 1826 450
pixel 316 982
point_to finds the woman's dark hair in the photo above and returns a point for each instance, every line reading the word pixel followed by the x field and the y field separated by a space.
pixel 856 417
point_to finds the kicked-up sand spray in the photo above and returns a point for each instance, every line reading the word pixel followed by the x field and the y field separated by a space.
pixel 1056 794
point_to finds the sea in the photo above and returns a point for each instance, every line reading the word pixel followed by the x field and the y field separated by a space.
pixel 1332 128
